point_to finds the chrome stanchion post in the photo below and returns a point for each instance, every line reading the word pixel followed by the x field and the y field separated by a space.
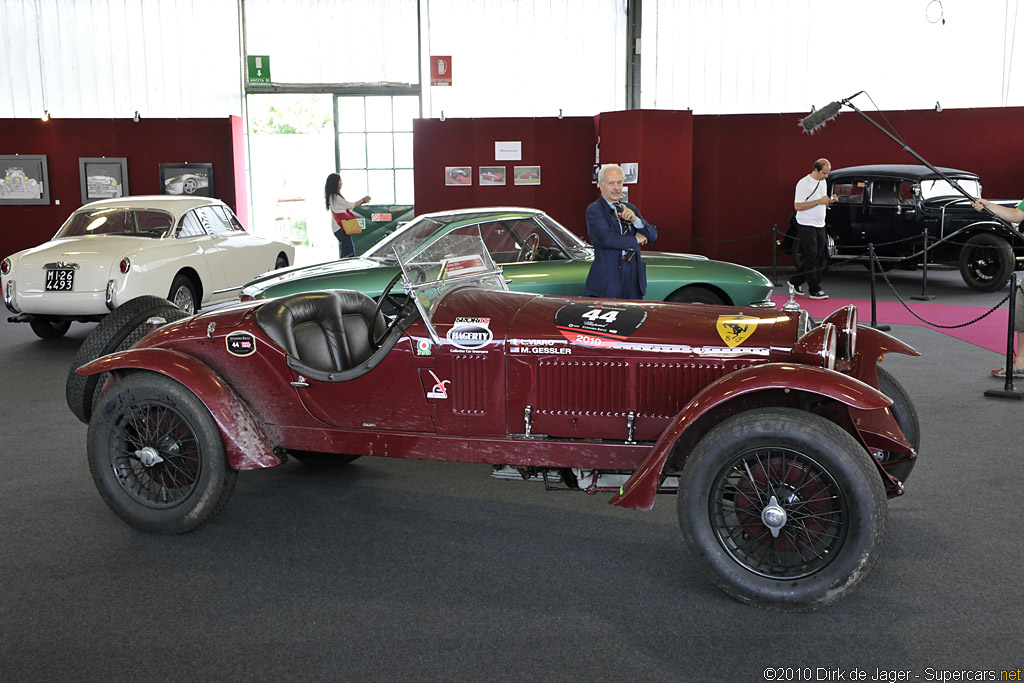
pixel 874 303
pixel 925 296
pixel 775 255
pixel 1008 391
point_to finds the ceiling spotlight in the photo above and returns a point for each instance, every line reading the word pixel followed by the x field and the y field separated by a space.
pixel 938 107
pixel 442 114
pixel 136 117
pixel 559 113
pixel 46 115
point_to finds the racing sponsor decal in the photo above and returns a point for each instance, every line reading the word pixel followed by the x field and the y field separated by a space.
pixel 470 333
pixel 601 324
pixel 423 347
pixel 463 265
pixel 734 329
pixel 439 390
pixel 240 344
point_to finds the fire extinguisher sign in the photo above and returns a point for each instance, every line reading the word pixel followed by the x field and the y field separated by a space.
pixel 441 70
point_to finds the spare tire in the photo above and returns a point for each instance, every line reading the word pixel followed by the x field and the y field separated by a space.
pixel 116 332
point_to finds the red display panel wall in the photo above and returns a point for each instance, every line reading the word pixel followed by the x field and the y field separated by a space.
pixel 146 145
pixel 745 167
pixel 563 148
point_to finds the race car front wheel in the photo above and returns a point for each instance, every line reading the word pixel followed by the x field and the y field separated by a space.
pixel 782 508
pixel 156 455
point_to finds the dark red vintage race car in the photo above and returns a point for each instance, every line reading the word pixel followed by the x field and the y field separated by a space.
pixel 776 435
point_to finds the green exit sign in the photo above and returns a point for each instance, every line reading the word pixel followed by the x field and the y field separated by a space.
pixel 259 69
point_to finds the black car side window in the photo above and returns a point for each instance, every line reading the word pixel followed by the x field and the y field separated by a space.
pixel 849 192
pixel 885 192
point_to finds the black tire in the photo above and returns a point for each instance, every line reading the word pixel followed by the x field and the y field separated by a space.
pixel 695 294
pixel 49 328
pixel 322 460
pixel 905 414
pixel 186 481
pixel 183 294
pixel 116 332
pixel 823 481
pixel 281 262
pixel 986 262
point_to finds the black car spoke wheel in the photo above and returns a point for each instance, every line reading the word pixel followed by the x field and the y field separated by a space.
pixel 782 508
pixel 156 455
pixel 778 513
pixel 986 262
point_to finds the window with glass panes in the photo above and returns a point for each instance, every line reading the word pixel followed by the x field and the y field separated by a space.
pixel 375 146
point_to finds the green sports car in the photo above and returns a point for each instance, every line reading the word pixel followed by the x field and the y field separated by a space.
pixel 537 255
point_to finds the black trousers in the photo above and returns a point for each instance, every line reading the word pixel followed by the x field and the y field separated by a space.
pixel 809 256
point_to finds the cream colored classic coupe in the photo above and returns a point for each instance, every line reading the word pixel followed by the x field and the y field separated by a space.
pixel 191 250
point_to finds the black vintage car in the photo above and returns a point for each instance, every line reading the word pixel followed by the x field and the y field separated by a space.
pixel 891 205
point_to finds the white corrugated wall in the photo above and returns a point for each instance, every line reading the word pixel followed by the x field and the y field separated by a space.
pixel 182 58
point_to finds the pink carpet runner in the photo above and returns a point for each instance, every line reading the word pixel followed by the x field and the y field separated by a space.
pixel 988 333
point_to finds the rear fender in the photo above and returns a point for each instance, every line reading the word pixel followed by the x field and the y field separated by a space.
pixel 247 441
pixel 640 489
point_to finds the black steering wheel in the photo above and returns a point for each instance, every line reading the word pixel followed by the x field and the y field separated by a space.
pixel 398 305
pixel 529 249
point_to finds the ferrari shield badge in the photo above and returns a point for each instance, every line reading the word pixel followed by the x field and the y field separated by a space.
pixel 734 329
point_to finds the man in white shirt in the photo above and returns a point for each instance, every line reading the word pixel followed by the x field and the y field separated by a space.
pixel 810 201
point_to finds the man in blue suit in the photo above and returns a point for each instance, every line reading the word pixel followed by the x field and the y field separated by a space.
pixel 617 231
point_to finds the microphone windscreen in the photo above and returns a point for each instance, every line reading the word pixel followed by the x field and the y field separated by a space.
pixel 819 118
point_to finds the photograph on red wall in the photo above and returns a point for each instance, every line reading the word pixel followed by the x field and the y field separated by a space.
pixel 492 175
pixel 23 179
pixel 187 179
pixel 527 175
pixel 458 175
pixel 103 177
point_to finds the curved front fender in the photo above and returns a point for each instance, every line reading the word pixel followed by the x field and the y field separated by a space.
pixel 639 491
pixel 247 441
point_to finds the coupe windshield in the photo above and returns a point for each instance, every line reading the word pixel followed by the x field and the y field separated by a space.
pixel 501 231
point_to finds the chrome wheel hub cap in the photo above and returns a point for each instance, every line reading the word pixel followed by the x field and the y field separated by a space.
pixel 774 516
pixel 148 456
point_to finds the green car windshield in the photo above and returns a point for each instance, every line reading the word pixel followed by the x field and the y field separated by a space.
pixel 423 232
pixel 454 260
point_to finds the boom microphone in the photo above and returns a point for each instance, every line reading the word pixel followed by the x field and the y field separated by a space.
pixel 817 119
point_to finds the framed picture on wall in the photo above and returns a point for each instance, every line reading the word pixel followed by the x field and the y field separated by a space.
pixel 103 177
pixel 458 175
pixel 492 175
pixel 23 179
pixel 193 179
pixel 527 175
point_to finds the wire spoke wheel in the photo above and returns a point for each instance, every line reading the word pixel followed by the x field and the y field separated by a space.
pixel 804 508
pixel 782 508
pixel 155 455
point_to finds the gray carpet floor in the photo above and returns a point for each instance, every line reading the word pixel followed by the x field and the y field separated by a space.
pixel 419 571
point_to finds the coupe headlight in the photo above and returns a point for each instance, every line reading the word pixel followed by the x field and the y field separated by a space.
pixel 5 266
pixel 818 347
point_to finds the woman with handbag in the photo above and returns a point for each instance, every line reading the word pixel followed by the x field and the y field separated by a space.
pixel 343 221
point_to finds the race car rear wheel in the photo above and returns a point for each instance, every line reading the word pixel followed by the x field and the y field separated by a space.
pixel 49 328
pixel 156 455
pixel 116 332
pixel 782 508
